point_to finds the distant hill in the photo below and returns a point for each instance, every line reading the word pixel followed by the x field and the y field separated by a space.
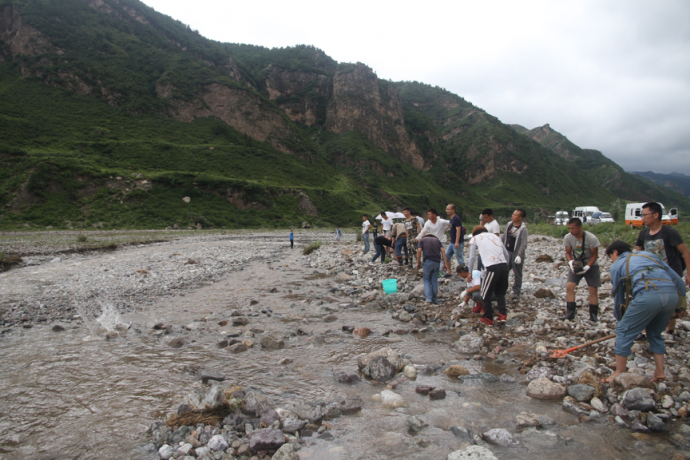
pixel 677 182
pixel 111 114
pixel 602 170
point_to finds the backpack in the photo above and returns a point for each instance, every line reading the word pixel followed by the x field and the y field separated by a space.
pixel 463 232
pixel 667 244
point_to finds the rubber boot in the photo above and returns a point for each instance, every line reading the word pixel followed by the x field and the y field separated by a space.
pixel 407 261
pixel 571 307
pixel 593 312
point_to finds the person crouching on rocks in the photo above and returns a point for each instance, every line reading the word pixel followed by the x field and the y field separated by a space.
pixel 381 243
pixel 495 282
pixel 651 290
pixel 473 288
pixel 582 253
pixel 433 252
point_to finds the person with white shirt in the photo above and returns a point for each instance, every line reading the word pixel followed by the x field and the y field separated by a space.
pixel 365 232
pixel 386 224
pixel 434 226
pixel 495 282
pixel 473 290
pixel 490 223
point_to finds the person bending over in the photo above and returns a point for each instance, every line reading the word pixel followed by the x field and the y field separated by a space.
pixel 652 289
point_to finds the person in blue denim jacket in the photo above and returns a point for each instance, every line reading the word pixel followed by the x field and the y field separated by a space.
pixel 655 291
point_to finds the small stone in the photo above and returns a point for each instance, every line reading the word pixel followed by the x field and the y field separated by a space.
pixel 627 381
pixel 638 399
pixel 667 402
pixel 342 377
pixel 362 332
pixel 404 316
pixel 348 328
pixel 58 328
pixel 415 424
pixel 597 404
pixel 285 361
pixel 581 392
pixel 240 321
pixel 410 372
pixel 437 393
pixel 176 343
pixel 619 421
pixel 526 420
pixel 456 371
pixel 270 343
pixel 472 453
pixel 469 343
pixel 545 389
pixel 330 318
pixel 217 443
pixel 207 375
pixel 654 423
pixel 461 433
pixel 391 399
pixel 381 369
pixel 638 427
pixel 499 437
pixel 544 294
pixel 423 389
pixel 286 452
pixel 237 348
pixel 166 452
pixel 266 439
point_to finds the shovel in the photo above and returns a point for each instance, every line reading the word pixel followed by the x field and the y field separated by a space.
pixel 561 353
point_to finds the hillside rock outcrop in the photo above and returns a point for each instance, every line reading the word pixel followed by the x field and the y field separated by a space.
pixel 372 107
pixel 240 109
pixel 19 38
pixel 303 95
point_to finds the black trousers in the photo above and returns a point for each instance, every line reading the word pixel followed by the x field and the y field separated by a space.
pixel 495 282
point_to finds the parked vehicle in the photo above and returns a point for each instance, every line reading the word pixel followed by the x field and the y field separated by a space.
pixel 600 217
pixel 633 215
pixel 584 213
pixel 562 218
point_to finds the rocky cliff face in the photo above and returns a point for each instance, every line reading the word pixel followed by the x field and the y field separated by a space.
pixel 18 38
pixel 363 103
pixel 240 109
pixel 303 95
pixel 494 160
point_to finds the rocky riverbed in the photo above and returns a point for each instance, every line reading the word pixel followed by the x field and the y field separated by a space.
pixel 237 348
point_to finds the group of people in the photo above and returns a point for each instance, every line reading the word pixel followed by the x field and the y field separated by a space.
pixel 648 286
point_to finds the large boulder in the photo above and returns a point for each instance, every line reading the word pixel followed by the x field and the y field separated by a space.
pixel 388 353
pixel 545 389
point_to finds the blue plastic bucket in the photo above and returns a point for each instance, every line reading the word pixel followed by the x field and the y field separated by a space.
pixel 390 286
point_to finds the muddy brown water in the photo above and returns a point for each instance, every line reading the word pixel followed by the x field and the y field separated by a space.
pixel 75 395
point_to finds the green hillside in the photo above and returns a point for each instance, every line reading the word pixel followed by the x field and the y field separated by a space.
pixel 111 114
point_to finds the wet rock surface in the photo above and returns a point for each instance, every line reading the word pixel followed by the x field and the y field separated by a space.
pixel 304 310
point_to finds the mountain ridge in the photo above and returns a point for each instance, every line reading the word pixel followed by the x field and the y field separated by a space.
pixel 99 89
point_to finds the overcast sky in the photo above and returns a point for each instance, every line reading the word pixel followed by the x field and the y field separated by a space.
pixel 610 75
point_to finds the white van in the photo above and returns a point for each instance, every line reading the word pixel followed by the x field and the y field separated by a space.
pixel 584 212
pixel 562 218
pixel 633 215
